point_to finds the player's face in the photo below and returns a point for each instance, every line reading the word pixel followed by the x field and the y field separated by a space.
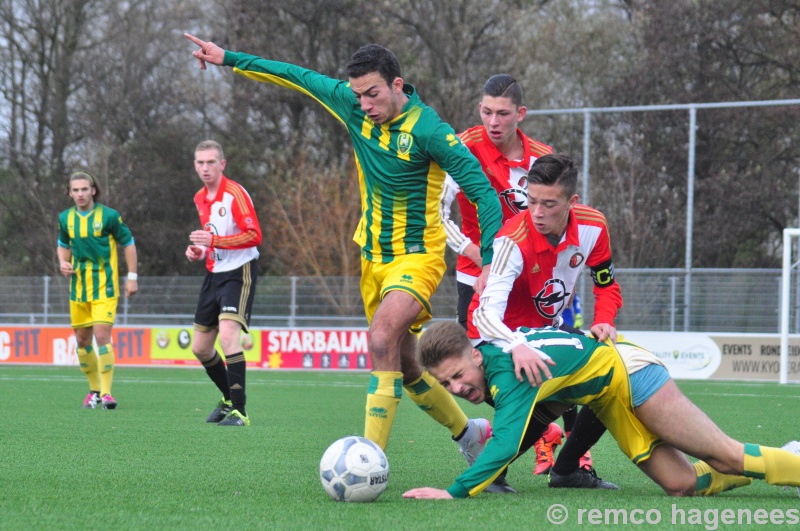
pixel 209 166
pixel 82 192
pixel 549 208
pixel 381 102
pixel 463 376
pixel 500 117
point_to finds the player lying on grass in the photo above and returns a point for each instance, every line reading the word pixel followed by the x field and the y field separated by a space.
pixel 653 435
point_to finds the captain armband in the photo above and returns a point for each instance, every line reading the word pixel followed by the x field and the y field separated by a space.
pixel 603 274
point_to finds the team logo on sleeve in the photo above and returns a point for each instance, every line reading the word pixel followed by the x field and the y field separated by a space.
pixel 552 298
pixel 404 143
pixel 452 139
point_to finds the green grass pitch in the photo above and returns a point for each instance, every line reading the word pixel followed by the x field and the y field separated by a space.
pixel 155 464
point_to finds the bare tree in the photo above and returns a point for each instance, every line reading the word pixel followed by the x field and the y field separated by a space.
pixel 43 46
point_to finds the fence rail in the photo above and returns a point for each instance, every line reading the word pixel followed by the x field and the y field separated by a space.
pixel 722 300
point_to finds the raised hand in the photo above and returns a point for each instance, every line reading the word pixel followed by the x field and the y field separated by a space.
pixel 208 52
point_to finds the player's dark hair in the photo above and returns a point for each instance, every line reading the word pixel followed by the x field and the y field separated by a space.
pixel 374 58
pixel 441 341
pixel 555 169
pixel 207 145
pixel 84 176
pixel 503 86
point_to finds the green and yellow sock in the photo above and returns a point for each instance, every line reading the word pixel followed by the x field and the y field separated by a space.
pixel 710 482
pixel 106 362
pixel 775 466
pixel 383 396
pixel 87 360
pixel 436 401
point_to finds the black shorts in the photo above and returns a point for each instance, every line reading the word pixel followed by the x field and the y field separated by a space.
pixel 227 295
pixel 465 294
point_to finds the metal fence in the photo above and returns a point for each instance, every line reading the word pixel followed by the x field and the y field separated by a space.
pixel 722 300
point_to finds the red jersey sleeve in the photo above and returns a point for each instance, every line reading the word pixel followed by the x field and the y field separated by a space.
pixel 244 214
pixel 607 293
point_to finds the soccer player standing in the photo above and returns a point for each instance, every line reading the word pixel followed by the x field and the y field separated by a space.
pixel 403 151
pixel 505 154
pixel 88 234
pixel 228 242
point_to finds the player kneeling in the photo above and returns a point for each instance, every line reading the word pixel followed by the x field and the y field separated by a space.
pixel 654 434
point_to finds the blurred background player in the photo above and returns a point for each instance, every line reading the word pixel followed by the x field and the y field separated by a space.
pixel 228 242
pixel 402 150
pixel 572 315
pixel 88 234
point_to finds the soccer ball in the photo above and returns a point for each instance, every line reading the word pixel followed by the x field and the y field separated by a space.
pixel 354 469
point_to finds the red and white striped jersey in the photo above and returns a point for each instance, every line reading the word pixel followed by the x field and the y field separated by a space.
pixel 231 217
pixel 507 177
pixel 530 282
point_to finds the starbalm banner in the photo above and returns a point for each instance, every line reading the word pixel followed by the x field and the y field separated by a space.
pixel 315 349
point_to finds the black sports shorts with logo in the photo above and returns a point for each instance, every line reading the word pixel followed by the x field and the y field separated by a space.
pixel 227 295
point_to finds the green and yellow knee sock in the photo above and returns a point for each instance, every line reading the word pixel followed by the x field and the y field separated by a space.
pixel 710 482
pixel 436 401
pixel 106 365
pixel 87 360
pixel 383 395
pixel 773 465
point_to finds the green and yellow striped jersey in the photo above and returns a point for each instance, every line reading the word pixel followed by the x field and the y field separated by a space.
pixel 582 372
pixel 92 237
pixel 401 164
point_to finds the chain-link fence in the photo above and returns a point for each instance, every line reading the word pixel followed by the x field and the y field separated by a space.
pixel 722 300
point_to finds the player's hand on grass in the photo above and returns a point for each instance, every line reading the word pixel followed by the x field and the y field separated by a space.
pixel 603 331
pixel 532 362
pixel 427 493
pixel 208 52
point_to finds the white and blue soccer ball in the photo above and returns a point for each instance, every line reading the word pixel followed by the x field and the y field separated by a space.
pixel 354 469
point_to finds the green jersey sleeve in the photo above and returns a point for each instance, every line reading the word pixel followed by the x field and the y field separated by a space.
pixel 453 157
pixel 513 402
pixel 333 94
pixel 118 228
pixel 63 233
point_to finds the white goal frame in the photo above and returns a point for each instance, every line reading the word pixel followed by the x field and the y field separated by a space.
pixel 786 282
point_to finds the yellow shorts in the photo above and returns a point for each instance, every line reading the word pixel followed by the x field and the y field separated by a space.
pixel 86 314
pixel 417 274
pixel 614 408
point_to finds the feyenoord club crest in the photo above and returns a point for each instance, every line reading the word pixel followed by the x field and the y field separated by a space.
pixel 576 260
